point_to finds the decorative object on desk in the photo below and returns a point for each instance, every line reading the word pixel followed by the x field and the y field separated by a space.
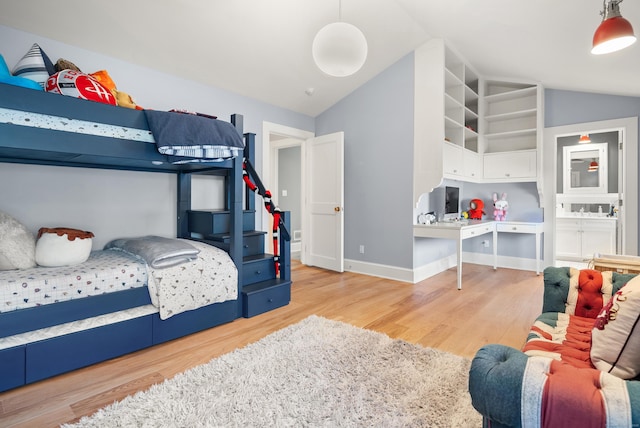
pixel 427 218
pixel 476 209
pixel 17 244
pixel 318 372
pixel 61 246
pixel 35 65
pixel 500 207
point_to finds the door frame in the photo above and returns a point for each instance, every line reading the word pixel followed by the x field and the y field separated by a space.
pixel 629 166
pixel 287 137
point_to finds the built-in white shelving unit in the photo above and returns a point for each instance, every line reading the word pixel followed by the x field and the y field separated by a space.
pixel 472 128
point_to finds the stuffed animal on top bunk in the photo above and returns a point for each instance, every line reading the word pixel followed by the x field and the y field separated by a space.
pixel 123 99
pixel 500 207
pixel 476 209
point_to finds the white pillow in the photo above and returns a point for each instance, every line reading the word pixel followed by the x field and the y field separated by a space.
pixel 17 244
pixel 615 339
pixel 62 246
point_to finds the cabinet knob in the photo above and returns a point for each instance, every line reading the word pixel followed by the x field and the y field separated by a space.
pixel 258 272
pixel 506 174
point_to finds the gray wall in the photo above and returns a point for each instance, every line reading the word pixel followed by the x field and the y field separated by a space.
pixel 377 120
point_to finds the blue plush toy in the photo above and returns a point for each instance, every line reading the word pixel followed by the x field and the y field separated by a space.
pixel 6 77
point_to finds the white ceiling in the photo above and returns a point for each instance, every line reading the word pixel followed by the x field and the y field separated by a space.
pixel 262 48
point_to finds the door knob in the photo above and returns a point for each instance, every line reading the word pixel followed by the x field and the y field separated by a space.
pixel 337 209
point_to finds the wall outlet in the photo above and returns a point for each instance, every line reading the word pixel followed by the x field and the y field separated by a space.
pixel 361 249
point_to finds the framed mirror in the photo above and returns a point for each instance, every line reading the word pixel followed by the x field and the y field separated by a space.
pixel 585 169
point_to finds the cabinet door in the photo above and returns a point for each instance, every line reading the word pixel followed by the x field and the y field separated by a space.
pixel 568 239
pixel 598 236
pixel 452 159
pixel 472 164
pixel 510 165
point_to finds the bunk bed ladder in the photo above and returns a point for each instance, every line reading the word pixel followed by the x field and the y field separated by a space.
pixel 261 288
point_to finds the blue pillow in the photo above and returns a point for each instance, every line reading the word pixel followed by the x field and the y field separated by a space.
pixel 6 77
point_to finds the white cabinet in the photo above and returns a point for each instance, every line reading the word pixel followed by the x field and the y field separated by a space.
pixel 460 163
pixel 452 160
pixel 510 166
pixel 472 163
pixel 579 238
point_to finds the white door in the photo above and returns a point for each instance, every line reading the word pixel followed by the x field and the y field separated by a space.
pixel 323 230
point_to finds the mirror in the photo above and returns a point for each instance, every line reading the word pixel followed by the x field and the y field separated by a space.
pixel 585 168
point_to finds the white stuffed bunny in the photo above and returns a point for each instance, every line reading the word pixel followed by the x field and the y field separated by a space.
pixel 500 207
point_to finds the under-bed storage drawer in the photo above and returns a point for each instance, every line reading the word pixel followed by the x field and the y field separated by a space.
pixel 12 372
pixel 192 321
pixel 65 353
pixel 265 296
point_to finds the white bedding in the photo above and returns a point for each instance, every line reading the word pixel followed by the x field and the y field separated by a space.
pixel 211 278
pixel 104 272
pixel 75 326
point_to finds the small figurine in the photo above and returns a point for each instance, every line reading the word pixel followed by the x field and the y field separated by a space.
pixel 500 207
pixel 476 209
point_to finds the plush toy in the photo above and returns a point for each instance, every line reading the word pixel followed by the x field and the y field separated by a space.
pixel 476 209
pixel 123 99
pixel 500 207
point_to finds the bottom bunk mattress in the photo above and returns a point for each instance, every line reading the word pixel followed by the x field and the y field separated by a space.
pixel 110 281
pixel 112 314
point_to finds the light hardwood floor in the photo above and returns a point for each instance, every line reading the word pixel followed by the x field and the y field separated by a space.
pixel 493 307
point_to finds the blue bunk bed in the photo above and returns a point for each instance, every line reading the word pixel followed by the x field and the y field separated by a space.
pixel 49 129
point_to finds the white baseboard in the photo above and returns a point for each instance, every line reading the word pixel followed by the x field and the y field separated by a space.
pixel 503 261
pixel 426 271
pixel 382 271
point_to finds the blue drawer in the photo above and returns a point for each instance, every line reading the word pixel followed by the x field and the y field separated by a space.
pixel 265 296
pixel 257 269
pixel 65 353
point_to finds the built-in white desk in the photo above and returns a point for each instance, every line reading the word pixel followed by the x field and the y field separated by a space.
pixel 464 229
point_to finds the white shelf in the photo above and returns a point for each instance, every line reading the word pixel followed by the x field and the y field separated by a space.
pixel 509 134
pixel 512 115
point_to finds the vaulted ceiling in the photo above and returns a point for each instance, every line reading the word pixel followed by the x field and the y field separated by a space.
pixel 262 48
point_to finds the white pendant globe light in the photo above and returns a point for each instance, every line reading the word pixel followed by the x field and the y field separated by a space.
pixel 339 49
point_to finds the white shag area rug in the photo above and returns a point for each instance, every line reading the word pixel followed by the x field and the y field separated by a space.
pixel 316 373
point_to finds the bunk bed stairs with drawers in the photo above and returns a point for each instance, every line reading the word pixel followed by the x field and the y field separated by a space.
pixel 45 340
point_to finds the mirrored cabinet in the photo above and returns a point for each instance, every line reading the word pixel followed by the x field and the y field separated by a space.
pixel 585 169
